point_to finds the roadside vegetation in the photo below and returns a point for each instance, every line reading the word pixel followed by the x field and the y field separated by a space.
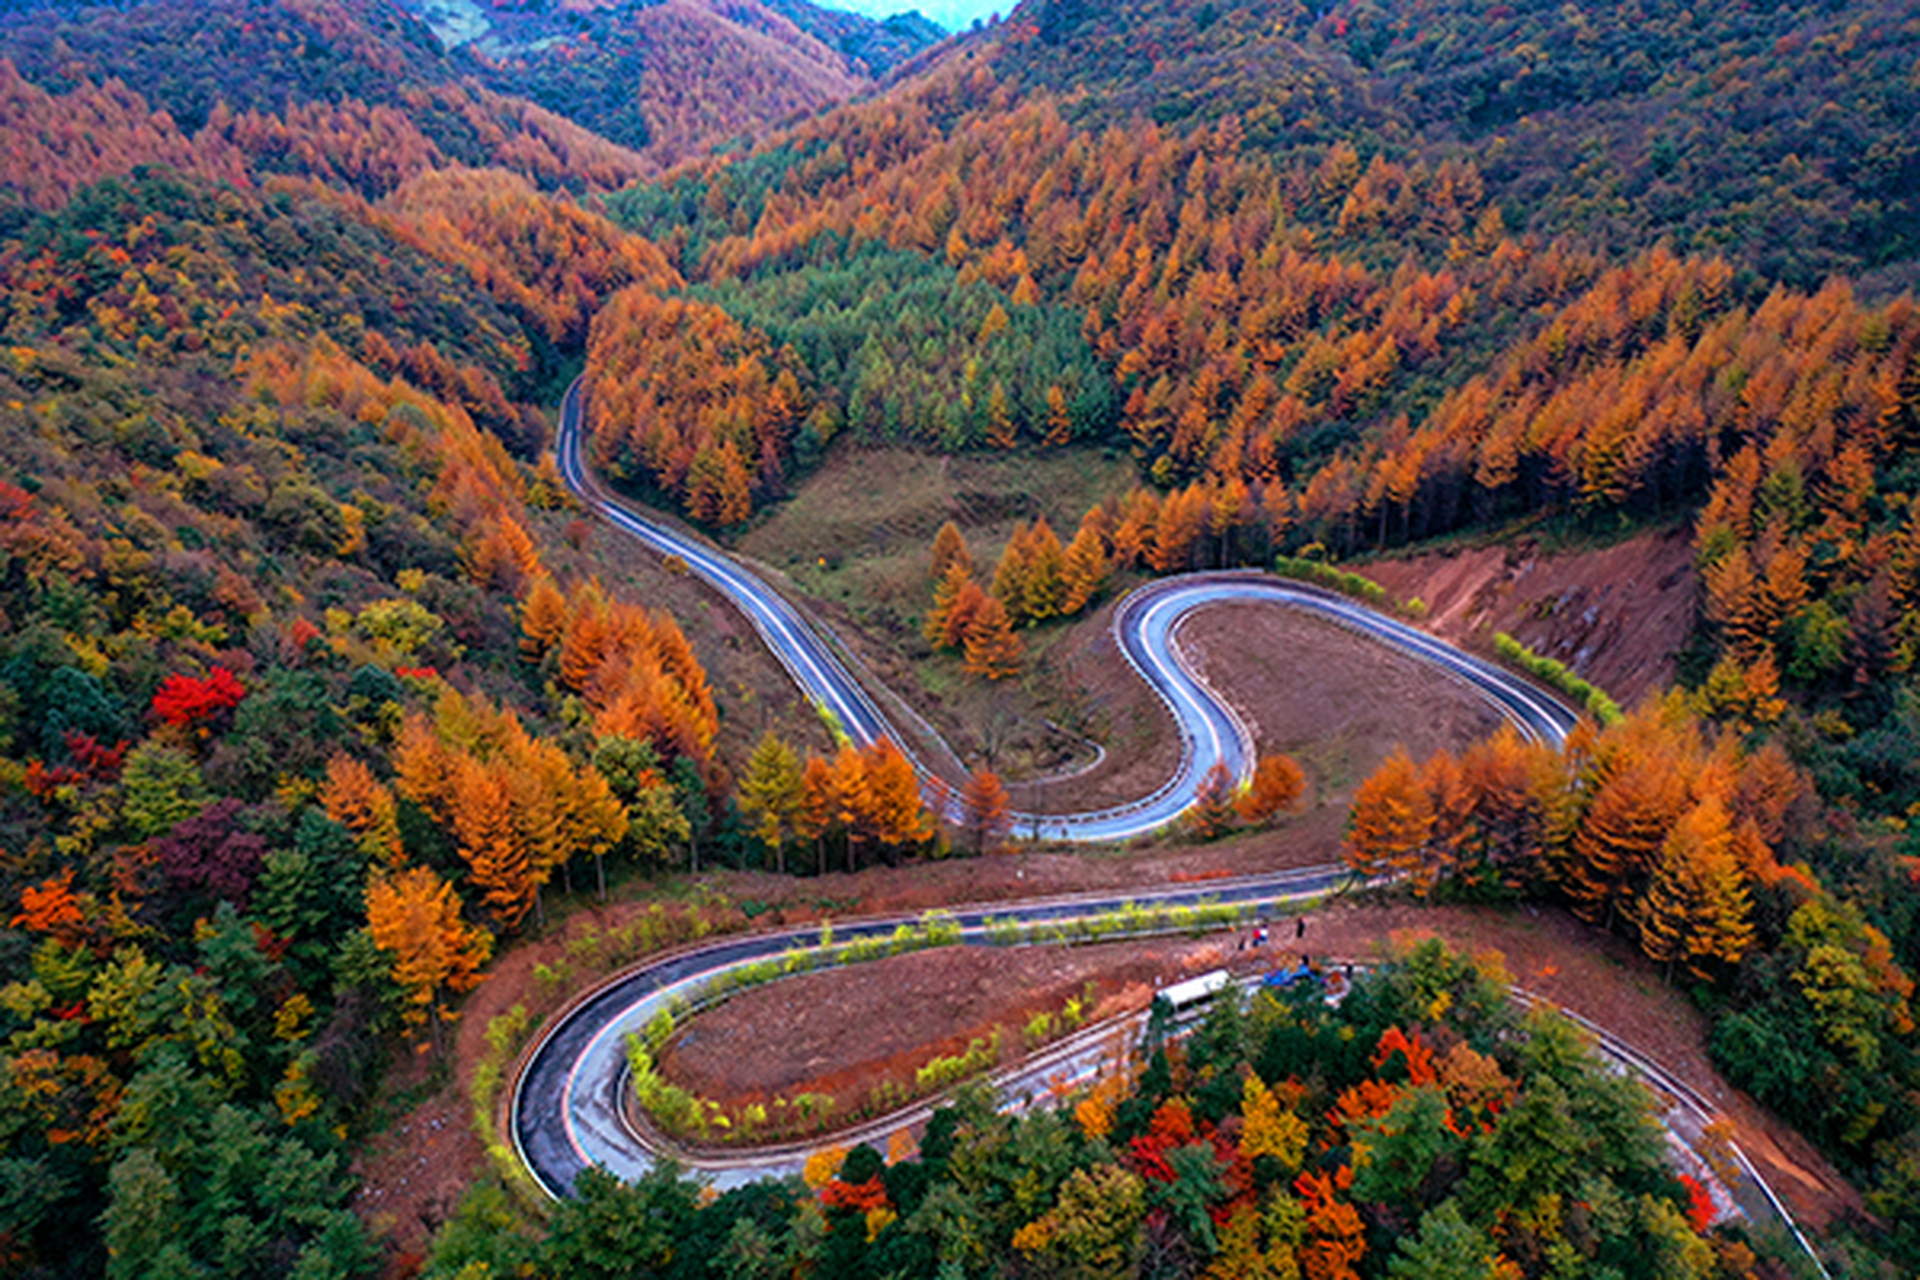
pixel 1421 1127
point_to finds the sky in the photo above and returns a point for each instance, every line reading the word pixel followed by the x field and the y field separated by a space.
pixel 951 14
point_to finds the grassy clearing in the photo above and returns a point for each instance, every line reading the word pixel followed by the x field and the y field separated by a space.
pixel 858 530
pixel 855 538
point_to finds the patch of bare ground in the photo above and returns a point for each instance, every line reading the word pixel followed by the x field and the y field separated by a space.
pixel 858 530
pixel 1617 614
pixel 412 1175
pixel 843 1032
pixel 1337 702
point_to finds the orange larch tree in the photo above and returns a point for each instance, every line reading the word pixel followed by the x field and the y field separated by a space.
pixel 1212 811
pixel 852 801
pixel 423 767
pixel 949 548
pixel 969 604
pixel 1277 787
pixel 1617 844
pixel 1506 779
pixel 1696 910
pixel 1031 578
pixel 890 812
pixel 586 641
pixel 946 622
pixel 1059 420
pixel 543 618
pixel 1085 567
pixel 986 811
pixel 1392 819
pixel 1453 835
pixel 994 652
pixel 490 842
pixel 819 813
pixel 358 801
pixel 1010 575
pixel 415 915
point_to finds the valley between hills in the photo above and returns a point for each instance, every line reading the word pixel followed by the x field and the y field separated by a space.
pixel 1411 502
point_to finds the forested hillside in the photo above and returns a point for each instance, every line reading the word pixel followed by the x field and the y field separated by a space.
pixel 307 706
pixel 264 538
pixel 1361 279
pixel 613 91
pixel 278 769
pixel 1781 134
pixel 669 79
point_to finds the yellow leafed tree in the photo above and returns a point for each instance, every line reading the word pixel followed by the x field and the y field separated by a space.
pixel 1271 1128
pixel 1697 909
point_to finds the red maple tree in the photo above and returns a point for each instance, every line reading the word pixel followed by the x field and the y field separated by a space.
pixel 185 700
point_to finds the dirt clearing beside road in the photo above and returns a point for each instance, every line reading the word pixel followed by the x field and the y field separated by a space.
pixel 1337 702
pixel 1616 614
pixel 843 1031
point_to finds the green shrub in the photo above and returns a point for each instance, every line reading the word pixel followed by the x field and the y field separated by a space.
pixel 1558 675
pixel 1325 575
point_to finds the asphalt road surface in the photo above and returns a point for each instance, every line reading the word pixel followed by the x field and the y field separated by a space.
pixel 1145 625
pixel 566 1103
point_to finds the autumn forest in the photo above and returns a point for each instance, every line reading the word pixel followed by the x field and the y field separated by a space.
pixel 325 702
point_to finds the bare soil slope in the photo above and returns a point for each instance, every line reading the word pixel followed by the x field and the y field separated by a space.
pixel 1336 702
pixel 1617 615
pixel 841 1031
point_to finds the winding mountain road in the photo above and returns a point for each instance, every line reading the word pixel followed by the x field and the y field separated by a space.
pixel 565 1105
pixel 1146 626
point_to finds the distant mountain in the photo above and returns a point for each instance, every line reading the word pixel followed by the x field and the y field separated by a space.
pixel 663 79
pixel 189 56
pixel 879 45
pixel 1788 135
pixel 675 76
pixel 352 93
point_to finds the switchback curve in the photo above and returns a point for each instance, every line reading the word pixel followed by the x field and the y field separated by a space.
pixel 1145 627
pixel 565 1108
